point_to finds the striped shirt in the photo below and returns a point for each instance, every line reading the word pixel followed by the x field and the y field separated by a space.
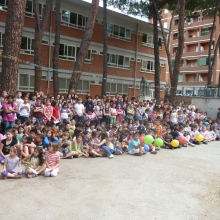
pixel 52 159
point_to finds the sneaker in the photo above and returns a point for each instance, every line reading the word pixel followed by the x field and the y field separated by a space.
pixel 205 142
pixel 110 156
pixel 138 154
pixel 104 155
pixel 117 153
pixel 153 152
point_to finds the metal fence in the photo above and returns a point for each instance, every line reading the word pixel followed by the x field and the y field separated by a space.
pixel 199 91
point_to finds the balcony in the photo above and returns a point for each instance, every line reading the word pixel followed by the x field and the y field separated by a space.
pixel 195 24
pixel 193 40
pixel 195 53
pixel 194 69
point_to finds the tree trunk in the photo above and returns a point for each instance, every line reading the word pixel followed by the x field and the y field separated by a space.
pixel 105 49
pixel 39 30
pixel 56 51
pixel 174 79
pixel 212 64
pixel 87 37
pixel 12 45
pixel 156 58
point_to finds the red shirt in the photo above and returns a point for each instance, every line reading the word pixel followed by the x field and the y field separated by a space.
pixel 56 112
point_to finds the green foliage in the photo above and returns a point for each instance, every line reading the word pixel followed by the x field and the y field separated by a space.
pixel 143 8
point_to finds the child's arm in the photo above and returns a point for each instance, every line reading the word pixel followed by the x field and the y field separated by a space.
pixel 47 165
pixel 1 153
pixel 57 165
pixel 32 145
pixel 4 166
pixel 101 143
pixel 25 160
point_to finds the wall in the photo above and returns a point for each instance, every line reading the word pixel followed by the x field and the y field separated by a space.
pixel 209 105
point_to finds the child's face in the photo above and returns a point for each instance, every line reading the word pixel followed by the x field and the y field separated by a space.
pixel 49 134
pixel 136 136
pixel 79 139
pixel 12 152
pixel 16 133
pixel 60 133
pixel 33 134
pixel 168 131
pixel 36 153
pixel 9 135
pixel 50 149
pixel 24 140
pixel 73 122
pixel 38 139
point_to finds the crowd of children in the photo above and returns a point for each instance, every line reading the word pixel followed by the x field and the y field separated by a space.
pixel 37 131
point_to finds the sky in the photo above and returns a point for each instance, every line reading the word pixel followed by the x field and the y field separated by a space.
pixel 117 10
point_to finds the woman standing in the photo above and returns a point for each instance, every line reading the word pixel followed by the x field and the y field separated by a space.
pixel 9 110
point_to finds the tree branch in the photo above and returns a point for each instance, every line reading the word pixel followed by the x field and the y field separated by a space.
pixel 45 17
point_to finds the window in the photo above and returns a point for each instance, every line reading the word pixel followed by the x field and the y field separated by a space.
pixel 205 31
pixel 147 40
pixel 165 11
pixel 147 66
pixel 27 45
pixel 67 52
pixel 73 19
pixel 119 32
pixel 165 24
pixel 118 61
pixel 113 88
pixel 4 5
pixel 1 39
pixel 26 82
pixel 180 78
pixel 202 61
pixel 175 36
pixel 173 63
pixel 30 9
pixel 88 55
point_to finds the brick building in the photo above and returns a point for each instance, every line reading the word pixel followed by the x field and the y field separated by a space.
pixel 130 51
pixel 194 64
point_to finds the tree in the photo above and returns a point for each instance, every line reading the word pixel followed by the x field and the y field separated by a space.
pixel 87 37
pixel 176 70
pixel 212 60
pixel 56 51
pixel 105 48
pixel 12 44
pixel 156 58
pixel 39 32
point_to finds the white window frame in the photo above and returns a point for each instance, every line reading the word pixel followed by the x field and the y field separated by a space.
pixel 31 14
pixel 81 27
pixel 116 64
pixel 4 7
pixel 110 92
pixel 1 40
pixel 67 57
pixel 111 34
pixel 29 49
pixel 145 69
pixel 28 87
pixel 148 43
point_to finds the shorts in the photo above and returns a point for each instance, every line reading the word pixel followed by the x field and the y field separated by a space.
pixel 73 152
pixel 134 151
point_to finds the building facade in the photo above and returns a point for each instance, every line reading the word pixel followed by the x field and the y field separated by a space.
pixel 130 51
pixel 194 63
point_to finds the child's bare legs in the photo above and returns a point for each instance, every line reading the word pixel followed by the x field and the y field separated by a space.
pixel 188 142
pixel 69 155
pixel 92 152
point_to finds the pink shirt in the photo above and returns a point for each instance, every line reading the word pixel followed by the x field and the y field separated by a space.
pixel 91 117
pixel 11 116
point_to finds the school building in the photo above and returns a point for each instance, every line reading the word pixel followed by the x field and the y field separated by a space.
pixel 130 50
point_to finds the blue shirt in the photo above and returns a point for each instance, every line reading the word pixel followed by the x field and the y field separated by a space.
pixel 132 144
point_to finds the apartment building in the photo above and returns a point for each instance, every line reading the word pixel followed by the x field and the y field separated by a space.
pixel 130 50
pixel 194 63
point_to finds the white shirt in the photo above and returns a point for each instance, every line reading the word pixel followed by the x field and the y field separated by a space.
pixel 79 108
pixel 25 111
pixel 19 102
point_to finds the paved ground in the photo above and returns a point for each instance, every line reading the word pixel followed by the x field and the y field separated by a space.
pixel 173 185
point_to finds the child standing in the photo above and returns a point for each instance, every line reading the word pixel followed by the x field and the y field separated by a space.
pixel 52 160
pixel 120 114
pixel 10 164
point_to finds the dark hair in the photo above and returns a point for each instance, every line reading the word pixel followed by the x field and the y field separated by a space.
pixel 41 136
pixel 53 103
pixel 28 137
pixel 40 156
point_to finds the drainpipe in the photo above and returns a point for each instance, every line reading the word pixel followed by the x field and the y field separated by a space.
pixel 135 71
pixel 48 72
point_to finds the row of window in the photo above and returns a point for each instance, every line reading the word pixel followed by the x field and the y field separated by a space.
pixel 70 52
pixel 26 83
pixel 29 7
pixel 148 40
pixel 118 61
pixel 204 32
